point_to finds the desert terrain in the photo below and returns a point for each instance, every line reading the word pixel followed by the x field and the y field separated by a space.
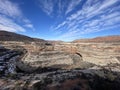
pixel 35 64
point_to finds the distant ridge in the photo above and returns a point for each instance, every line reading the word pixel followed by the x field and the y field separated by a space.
pixel 115 38
pixel 10 36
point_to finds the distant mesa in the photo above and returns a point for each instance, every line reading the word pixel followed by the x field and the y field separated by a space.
pixel 115 38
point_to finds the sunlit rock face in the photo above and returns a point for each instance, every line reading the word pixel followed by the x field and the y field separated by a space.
pixel 53 59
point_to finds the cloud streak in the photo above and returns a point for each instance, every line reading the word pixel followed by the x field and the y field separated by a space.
pixel 47 6
pixel 9 25
pixel 59 7
pixel 72 5
pixel 95 16
pixel 10 9
pixel 11 15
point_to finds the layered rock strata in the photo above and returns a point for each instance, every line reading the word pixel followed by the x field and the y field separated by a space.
pixel 96 53
pixel 35 59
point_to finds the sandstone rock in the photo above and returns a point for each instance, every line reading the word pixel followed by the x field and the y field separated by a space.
pixel 96 53
pixel 48 59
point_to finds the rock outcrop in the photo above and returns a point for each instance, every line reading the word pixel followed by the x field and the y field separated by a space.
pixel 52 59
pixel 36 57
pixel 64 80
pixel 8 60
pixel 96 53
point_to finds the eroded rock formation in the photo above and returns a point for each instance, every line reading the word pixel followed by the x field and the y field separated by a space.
pixel 43 65
pixel 96 53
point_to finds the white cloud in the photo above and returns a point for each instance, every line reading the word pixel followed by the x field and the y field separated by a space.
pixel 70 35
pixel 72 5
pixel 60 25
pixel 10 9
pixel 95 15
pixel 29 25
pixel 58 7
pixel 107 3
pixel 47 6
pixel 11 12
pixel 9 25
pixel 62 7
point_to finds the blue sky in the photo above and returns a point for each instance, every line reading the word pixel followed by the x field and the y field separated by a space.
pixel 61 19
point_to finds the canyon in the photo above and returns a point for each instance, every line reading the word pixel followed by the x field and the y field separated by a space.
pixel 36 64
